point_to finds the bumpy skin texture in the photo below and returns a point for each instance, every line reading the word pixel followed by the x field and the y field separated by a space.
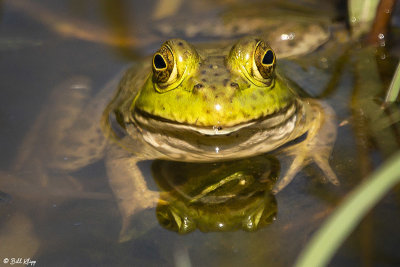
pixel 213 88
pixel 210 104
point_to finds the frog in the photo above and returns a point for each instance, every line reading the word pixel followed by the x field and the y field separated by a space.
pixel 211 103
pixel 67 135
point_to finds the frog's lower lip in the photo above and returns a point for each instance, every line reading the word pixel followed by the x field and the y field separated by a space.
pixel 155 123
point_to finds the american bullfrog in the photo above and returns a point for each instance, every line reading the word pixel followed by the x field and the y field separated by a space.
pixel 211 103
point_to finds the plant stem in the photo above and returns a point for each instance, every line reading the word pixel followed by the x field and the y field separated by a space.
pixel 381 21
pixel 394 88
pixel 331 235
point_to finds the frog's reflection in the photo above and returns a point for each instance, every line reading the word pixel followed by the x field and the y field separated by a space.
pixel 224 196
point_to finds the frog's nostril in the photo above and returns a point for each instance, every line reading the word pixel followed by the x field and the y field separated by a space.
pixel 235 85
pixel 198 86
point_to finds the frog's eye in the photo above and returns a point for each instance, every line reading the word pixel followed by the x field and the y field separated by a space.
pixel 163 66
pixel 264 59
pixel 175 61
pixel 254 59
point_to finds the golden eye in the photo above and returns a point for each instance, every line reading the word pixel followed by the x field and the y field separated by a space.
pixel 163 65
pixel 264 58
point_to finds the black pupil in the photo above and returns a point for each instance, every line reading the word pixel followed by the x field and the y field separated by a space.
pixel 159 62
pixel 268 58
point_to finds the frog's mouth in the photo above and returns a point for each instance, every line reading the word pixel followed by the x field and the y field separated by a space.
pixel 156 124
pixel 185 142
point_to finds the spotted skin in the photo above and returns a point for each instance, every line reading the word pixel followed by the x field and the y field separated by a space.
pixel 217 104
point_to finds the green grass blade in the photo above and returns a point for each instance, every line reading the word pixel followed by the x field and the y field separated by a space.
pixel 325 242
pixel 361 15
pixel 394 88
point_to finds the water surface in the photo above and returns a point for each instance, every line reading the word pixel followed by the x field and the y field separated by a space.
pixel 72 219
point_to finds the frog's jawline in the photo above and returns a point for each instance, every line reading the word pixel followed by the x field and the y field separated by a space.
pixel 184 144
pixel 149 121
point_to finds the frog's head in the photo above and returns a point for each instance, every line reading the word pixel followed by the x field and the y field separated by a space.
pixel 213 88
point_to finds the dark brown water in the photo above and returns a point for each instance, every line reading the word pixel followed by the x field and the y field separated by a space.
pixel 62 218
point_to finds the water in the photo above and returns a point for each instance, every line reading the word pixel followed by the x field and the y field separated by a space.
pixel 70 218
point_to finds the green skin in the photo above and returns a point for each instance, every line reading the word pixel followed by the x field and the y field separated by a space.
pixel 211 104
pixel 226 93
pixel 236 113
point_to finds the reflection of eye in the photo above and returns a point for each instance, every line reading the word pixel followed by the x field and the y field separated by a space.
pixel 264 59
pixel 172 220
pixel 163 65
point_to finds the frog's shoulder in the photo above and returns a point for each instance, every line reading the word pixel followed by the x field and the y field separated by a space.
pixel 113 122
pixel 131 82
pixel 290 84
pixel 127 88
